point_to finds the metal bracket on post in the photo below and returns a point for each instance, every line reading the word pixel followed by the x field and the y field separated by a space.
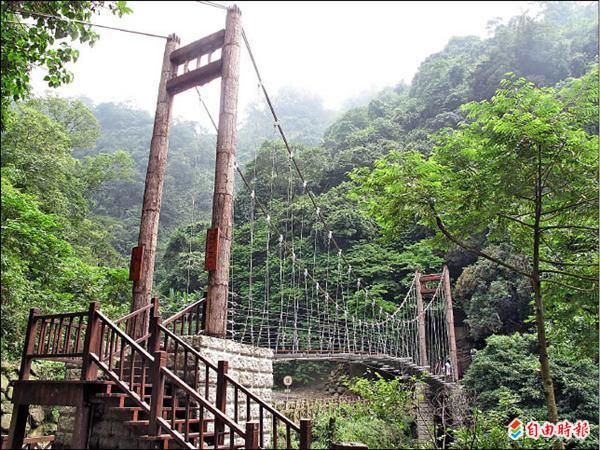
pixel 136 263
pixel 211 253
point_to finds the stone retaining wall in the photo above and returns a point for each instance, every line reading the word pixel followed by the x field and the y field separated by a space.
pixel 251 366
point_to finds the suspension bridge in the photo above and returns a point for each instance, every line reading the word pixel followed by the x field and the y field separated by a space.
pixel 416 337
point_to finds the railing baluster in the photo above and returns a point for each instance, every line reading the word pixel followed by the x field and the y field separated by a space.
pixel 196 365
pixel 52 337
pixel 112 345
pixel 247 408
pixel 121 358
pixel 103 349
pixel 275 432
pixel 288 436
pixel 40 343
pixel 41 326
pixel 57 336
pixel 261 424
pixel 132 371
pixel 235 403
pixel 202 424
pixel 187 417
pixel 206 381
pixel 174 404
pixel 78 339
pixel 185 365
pixel 221 397
pixel 46 348
pixel 68 336
pixel 143 379
pixel 175 356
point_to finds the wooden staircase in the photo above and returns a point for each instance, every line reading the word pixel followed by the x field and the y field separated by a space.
pixel 158 386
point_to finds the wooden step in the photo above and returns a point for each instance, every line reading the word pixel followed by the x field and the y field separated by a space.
pixel 119 395
pixel 166 436
pixel 195 436
pixel 134 412
pixel 140 423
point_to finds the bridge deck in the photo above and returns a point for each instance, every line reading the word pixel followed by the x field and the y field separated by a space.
pixel 396 366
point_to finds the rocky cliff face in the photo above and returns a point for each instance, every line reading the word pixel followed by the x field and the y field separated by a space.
pixel 42 420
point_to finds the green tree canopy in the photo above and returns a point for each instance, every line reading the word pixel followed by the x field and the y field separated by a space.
pixel 39 34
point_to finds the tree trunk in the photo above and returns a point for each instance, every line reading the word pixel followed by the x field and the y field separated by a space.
pixel 539 305
pixel 543 352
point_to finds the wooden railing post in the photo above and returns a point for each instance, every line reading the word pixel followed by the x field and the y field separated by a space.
pixel 155 309
pixel 420 321
pixel 158 387
pixel 450 323
pixel 251 438
pixel 29 343
pixel 18 422
pixel 221 397
pixel 91 343
pixel 155 321
pixel 305 434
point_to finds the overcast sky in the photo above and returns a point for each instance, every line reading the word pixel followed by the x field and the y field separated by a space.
pixel 334 49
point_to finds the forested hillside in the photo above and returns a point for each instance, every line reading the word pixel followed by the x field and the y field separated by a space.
pixel 73 180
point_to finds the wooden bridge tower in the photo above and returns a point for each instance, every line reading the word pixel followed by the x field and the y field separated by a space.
pixel 421 290
pixel 143 256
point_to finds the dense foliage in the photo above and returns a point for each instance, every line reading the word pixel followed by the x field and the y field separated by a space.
pixel 44 40
pixel 383 422
pixel 55 255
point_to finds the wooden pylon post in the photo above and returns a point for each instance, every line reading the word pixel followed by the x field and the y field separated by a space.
pixel 155 175
pixel 222 217
pixel 450 323
pixel 420 321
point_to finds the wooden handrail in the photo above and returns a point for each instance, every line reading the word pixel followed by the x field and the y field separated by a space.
pixel 132 314
pixel 61 315
pixel 183 312
pixel 187 346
